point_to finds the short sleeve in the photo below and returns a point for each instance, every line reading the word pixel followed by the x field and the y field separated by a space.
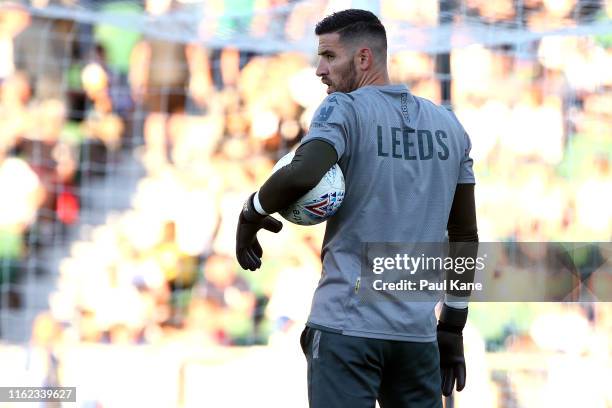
pixel 331 122
pixel 466 171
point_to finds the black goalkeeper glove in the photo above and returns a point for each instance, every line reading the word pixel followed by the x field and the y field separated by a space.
pixel 248 249
pixel 450 344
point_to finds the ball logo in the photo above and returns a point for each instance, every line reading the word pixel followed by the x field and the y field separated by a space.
pixel 325 205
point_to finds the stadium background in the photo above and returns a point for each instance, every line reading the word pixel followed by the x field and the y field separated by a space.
pixel 131 132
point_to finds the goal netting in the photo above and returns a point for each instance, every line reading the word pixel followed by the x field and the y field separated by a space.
pixel 131 132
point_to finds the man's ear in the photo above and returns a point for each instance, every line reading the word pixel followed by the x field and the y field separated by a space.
pixel 365 59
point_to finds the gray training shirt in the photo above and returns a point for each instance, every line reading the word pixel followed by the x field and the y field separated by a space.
pixel 402 158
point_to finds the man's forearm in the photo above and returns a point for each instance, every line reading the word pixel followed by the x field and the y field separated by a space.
pixel 310 163
pixel 463 239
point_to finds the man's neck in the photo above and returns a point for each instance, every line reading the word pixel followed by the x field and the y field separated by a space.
pixel 378 78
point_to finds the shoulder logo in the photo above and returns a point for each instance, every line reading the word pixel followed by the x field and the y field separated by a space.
pixel 324 114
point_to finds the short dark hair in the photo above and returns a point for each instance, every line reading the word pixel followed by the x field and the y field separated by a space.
pixel 353 24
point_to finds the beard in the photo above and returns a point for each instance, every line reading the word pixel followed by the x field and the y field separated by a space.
pixel 348 79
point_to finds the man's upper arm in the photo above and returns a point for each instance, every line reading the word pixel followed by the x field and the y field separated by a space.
pixel 466 170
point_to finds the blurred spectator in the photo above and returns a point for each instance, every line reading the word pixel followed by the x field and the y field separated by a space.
pixel 43 51
pixel 158 69
pixel 200 79
pixel 14 110
pixel 55 164
pixel 179 269
pixel 43 361
pixel 232 295
pixel 23 194
pixel 419 13
pixel 102 127
pixel 118 43
pixel 14 18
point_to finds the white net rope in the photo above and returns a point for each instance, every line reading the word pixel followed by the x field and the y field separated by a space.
pixel 289 27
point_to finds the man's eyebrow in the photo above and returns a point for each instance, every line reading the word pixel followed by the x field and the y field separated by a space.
pixel 324 52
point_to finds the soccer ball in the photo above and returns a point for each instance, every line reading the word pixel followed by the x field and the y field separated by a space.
pixel 318 204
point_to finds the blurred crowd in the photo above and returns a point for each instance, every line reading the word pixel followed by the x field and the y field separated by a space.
pixel 208 125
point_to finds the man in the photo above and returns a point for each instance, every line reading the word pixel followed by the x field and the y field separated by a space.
pixel 397 190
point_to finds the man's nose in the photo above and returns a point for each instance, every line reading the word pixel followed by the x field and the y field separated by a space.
pixel 321 69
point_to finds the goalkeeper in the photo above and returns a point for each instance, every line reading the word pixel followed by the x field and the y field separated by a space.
pixel 408 178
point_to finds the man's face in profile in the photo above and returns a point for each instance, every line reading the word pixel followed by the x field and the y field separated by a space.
pixel 336 66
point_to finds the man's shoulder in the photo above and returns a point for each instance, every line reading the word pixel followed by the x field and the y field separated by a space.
pixel 429 104
pixel 335 102
pixel 339 98
pixel 356 99
pixel 435 108
pixel 335 106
